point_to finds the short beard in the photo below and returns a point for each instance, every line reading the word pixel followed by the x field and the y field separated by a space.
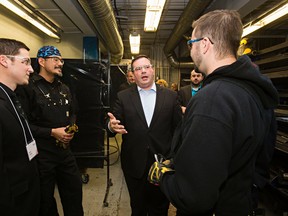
pixel 60 74
pixel 196 85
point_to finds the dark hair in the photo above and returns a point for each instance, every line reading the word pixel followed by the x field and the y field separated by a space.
pixel 196 69
pixel 11 46
pixel 223 27
pixel 136 58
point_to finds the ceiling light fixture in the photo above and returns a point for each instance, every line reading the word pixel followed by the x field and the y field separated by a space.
pixel 278 13
pixel 154 10
pixel 27 17
pixel 134 43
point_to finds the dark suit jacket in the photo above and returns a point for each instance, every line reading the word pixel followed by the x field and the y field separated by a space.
pixel 157 138
pixel 124 86
pixel 19 180
pixel 185 94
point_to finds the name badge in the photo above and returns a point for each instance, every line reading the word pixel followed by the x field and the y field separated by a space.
pixel 32 149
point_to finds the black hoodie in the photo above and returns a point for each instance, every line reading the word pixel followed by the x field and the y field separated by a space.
pixel 224 128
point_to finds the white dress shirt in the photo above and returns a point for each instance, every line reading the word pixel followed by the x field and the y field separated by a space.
pixel 148 100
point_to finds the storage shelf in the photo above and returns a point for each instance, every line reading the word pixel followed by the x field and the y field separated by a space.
pixel 282 141
pixel 281 46
pixel 273 59
pixel 273 63
pixel 279 74
pixel 281 112
pixel 282 119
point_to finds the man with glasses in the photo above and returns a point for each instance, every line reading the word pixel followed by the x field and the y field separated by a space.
pixel 146 115
pixel 226 126
pixel 19 178
pixel 50 110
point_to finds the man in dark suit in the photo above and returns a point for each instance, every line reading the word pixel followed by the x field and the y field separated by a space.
pixel 187 92
pixel 146 116
pixel 19 179
pixel 130 80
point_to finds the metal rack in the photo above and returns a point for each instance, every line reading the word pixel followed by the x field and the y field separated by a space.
pixel 90 83
pixel 106 157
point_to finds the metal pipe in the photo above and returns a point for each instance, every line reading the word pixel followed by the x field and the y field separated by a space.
pixel 191 12
pixel 102 16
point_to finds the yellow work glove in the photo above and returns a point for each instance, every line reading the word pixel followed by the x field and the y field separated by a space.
pixel 157 170
pixel 69 129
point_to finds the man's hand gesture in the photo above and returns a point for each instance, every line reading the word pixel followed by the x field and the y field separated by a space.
pixel 115 126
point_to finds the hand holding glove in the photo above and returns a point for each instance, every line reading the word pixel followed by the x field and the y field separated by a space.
pixel 70 129
pixel 158 169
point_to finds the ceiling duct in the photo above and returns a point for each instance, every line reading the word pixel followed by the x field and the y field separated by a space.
pixel 102 16
pixel 191 12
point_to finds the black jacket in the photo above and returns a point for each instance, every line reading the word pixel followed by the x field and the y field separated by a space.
pixel 19 178
pixel 185 94
pixel 47 105
pixel 223 131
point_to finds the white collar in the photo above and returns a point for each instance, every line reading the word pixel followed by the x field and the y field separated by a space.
pixel 152 88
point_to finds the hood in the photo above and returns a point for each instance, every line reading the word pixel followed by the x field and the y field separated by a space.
pixel 246 71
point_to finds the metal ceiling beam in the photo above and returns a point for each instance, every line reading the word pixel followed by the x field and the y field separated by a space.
pixel 73 11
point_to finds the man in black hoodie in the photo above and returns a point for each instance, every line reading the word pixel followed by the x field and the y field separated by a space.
pixel 224 127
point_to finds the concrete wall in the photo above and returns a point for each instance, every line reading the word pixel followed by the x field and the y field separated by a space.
pixel 15 27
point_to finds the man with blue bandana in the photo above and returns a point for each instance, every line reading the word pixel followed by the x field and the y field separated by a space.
pixel 49 106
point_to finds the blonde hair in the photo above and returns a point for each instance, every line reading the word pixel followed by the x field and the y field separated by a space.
pixel 162 82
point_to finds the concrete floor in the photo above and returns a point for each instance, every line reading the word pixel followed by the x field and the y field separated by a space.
pixel 94 192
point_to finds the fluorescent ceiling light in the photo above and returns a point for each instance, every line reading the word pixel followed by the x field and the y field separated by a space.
pixel 248 29
pixel 134 43
pixel 25 16
pixel 154 10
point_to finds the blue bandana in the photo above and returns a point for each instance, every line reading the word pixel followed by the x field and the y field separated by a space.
pixel 47 51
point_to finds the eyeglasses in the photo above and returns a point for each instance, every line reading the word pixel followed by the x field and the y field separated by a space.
pixel 24 60
pixel 56 59
pixel 139 68
pixel 190 42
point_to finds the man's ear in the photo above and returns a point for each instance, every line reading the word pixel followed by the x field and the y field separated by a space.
pixel 41 61
pixel 205 45
pixel 3 61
